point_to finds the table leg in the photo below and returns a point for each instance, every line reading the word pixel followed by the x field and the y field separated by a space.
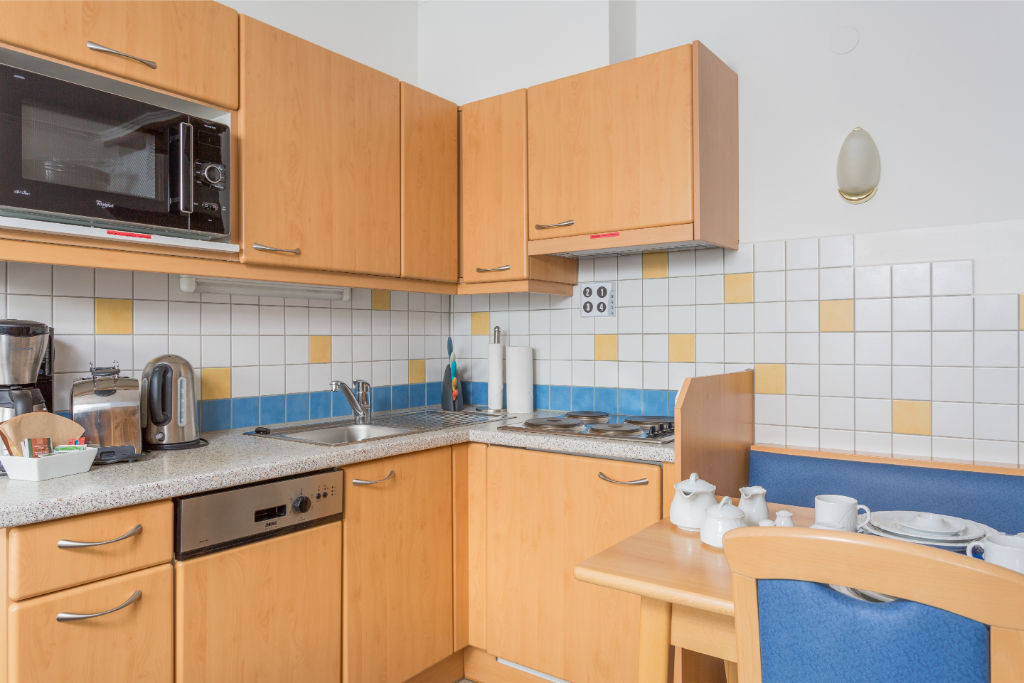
pixel 731 673
pixel 655 650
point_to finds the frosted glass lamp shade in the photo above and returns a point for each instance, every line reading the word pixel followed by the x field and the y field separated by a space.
pixel 859 167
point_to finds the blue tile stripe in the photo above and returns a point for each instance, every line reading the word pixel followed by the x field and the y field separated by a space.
pixel 609 399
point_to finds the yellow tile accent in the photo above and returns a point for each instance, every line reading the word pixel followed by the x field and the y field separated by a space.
pixel 606 347
pixel 380 299
pixel 320 349
pixel 739 288
pixel 481 323
pixel 770 378
pixel 836 316
pixel 1020 315
pixel 113 316
pixel 417 371
pixel 912 417
pixel 216 383
pixel 655 264
pixel 682 348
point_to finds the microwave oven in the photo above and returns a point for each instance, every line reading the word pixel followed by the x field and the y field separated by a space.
pixel 73 154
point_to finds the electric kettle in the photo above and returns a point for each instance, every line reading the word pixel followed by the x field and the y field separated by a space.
pixel 170 416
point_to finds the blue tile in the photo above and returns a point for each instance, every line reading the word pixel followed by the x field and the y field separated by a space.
pixel 381 399
pixel 339 405
pixel 583 398
pixel 399 396
pixel 561 397
pixel 606 399
pixel 64 413
pixel 630 402
pixel 272 409
pixel 297 407
pixel 672 402
pixel 541 396
pixel 433 393
pixel 417 395
pixel 655 402
pixel 479 395
pixel 319 405
pixel 215 415
pixel 245 412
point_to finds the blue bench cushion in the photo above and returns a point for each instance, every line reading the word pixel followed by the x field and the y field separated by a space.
pixel 993 499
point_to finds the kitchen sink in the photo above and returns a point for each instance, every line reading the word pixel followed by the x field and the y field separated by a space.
pixel 343 432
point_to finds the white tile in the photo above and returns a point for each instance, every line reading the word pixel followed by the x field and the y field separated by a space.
pixel 952 384
pixel 361 349
pixel 73 315
pixel 463 323
pixel 802 380
pixel 710 289
pixel 837 347
pixel 738 318
pixel 364 370
pixel 655 290
pixel 835 283
pixel 912 313
pixel 606 373
pixel 585 270
pixel 998 453
pixel 188 346
pixel 770 434
pixel 837 380
pixel 209 298
pixel 631 319
pixel 873 415
pixel 115 349
pixel 30 307
pixel 150 286
pixel 561 346
pixel 215 319
pixel 996 422
pixel 296 319
pixel 630 293
pixel 499 302
pixel 739 348
pixel 29 278
pixel 320 320
pixel 770 256
pixel 710 348
pixel 216 351
pixel 682 291
pixel 802 347
pixel 561 321
pixel 399 301
pixel 73 281
pixel 113 284
pixel 802 411
pixel 62 384
pixel 873 348
pixel 708 369
pixel 912 383
pixel 952 348
pixel 183 317
pixel 681 320
pixel 581 325
pixel 150 317
pixel 3 277
pixel 912 279
pixel 462 304
pixel 770 348
pixel 655 320
pixel 952 419
pixel 631 375
pixel 708 262
pixel 995 385
pixel 912 446
pixel 148 347
pixel 655 347
pixel 679 263
pixel 380 323
pixel 296 349
pixel 710 319
pixel 911 348
pixel 271 319
pixel 341 321
pixel 836 440
pixel 279 301
pixel 245 350
pixel 836 251
pixel 770 317
pixel 583 347
pixel 873 443
pixel 655 376
pixel 678 373
pixel 770 286
pixel 320 375
pixel 542 372
pixel 296 379
pixel 837 413
pixel 995 349
pixel 802 253
pixel 770 409
pixel 561 372
pixel 380 347
pixel 541 344
pixel 245 381
pixel 73 352
pixel 872 315
pixel 872 282
pixel 271 350
pixel 996 312
pixel 631 267
pixel 952 277
pixel 801 285
pixel 361 298
pixel 739 260
pixel 873 381
pixel 945 449
pixel 802 316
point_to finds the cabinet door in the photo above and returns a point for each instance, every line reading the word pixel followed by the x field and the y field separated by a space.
pixel 430 186
pixel 193 44
pixel 319 151
pixel 398 567
pixel 546 513
pixel 134 643
pixel 267 611
pixel 611 149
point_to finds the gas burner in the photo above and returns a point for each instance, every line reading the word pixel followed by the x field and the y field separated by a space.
pixel 554 424
pixel 616 429
pixel 650 420
pixel 588 416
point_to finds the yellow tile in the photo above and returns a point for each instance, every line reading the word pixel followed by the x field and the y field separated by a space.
pixel 912 417
pixel 739 288
pixel 380 300
pixel 682 348
pixel 770 378
pixel 836 316
pixel 481 323
pixel 655 264
pixel 606 347
pixel 417 371
pixel 320 349
pixel 1020 315
pixel 216 383
pixel 113 316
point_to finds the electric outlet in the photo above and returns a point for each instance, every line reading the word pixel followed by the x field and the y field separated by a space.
pixel 598 299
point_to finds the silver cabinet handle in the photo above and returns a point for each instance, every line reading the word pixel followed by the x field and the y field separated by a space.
pixel 134 531
pixel 367 482
pixel 507 266
pixel 111 51
pixel 71 616
pixel 563 224
pixel 263 247
pixel 635 482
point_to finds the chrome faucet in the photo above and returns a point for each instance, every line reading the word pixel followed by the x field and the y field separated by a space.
pixel 358 396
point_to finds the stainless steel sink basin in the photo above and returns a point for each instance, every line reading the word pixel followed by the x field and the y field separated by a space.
pixel 342 432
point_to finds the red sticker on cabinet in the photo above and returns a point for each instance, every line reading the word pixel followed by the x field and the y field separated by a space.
pixel 120 233
pixel 599 235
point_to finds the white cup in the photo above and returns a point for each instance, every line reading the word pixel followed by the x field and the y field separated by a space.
pixel 837 512
pixel 783 518
pixel 1006 551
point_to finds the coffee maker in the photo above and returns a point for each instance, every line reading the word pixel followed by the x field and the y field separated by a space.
pixel 23 346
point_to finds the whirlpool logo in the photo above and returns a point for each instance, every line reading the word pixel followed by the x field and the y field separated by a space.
pixel 105 205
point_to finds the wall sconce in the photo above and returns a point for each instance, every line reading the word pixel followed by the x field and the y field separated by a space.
pixel 859 167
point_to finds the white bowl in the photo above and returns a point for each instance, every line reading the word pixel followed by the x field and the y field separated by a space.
pixel 48 466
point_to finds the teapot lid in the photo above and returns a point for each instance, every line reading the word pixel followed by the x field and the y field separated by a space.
pixel 725 510
pixel 695 485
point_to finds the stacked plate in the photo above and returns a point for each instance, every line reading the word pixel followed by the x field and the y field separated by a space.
pixel 926 528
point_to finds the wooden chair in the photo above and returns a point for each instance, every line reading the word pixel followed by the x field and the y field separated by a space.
pixel 964 619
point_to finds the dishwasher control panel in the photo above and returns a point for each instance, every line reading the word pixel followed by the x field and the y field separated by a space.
pixel 211 521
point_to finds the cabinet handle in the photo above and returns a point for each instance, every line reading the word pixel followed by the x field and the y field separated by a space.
pixel 134 531
pixel 635 482
pixel 263 247
pixel 563 224
pixel 367 482
pixel 72 616
pixel 111 51
pixel 507 266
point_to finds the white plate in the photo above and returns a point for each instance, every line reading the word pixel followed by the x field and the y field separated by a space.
pixel 954 545
pixel 896 522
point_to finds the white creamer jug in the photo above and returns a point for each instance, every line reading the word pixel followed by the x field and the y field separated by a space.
pixel 754 504
pixel 693 497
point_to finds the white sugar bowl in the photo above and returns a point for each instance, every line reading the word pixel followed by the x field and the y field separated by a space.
pixel 693 497
pixel 720 519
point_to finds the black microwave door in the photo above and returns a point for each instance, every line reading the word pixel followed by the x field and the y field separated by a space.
pixel 70 150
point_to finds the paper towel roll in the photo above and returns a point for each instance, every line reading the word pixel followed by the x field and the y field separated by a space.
pixel 495 375
pixel 519 374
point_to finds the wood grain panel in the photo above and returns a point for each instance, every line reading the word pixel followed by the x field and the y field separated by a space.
pixel 617 241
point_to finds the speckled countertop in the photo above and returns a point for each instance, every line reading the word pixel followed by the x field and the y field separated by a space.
pixel 233 458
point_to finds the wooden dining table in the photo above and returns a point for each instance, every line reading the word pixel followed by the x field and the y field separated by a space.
pixel 685 588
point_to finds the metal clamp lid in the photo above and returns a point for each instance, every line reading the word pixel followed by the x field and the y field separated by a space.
pixel 23 328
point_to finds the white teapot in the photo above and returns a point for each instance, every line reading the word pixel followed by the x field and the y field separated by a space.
pixel 754 504
pixel 693 497
pixel 720 519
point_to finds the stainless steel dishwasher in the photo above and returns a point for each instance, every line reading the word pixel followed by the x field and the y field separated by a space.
pixel 258 581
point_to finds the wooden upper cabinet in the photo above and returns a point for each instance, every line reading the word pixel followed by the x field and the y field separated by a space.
pixel 430 186
pixel 621 148
pixel 193 44
pixel 319 150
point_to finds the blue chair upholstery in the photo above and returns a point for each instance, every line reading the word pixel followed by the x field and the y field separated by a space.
pixel 991 499
pixel 810 632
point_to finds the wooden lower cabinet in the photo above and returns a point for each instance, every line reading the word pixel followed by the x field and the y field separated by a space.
pixel 129 645
pixel 397 597
pixel 547 512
